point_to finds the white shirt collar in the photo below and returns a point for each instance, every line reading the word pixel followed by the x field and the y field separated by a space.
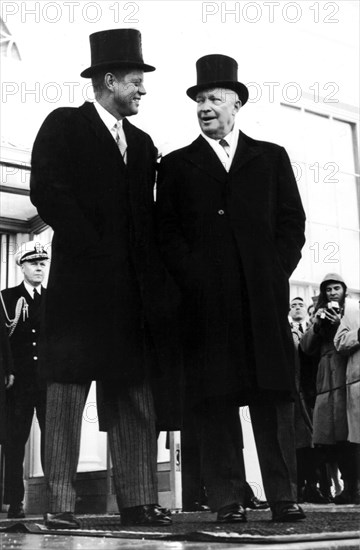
pixel 232 139
pixel 108 119
pixel 30 289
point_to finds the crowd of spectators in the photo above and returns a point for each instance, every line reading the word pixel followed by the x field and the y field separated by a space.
pixel 327 412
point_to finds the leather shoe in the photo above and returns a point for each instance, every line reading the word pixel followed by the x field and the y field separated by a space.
pixel 62 520
pixel 313 494
pixel 287 511
pixel 150 514
pixel 196 507
pixel 165 511
pixel 348 497
pixel 255 504
pixel 16 511
pixel 233 513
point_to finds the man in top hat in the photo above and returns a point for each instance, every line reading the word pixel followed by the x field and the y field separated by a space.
pixel 23 305
pixel 92 180
pixel 231 228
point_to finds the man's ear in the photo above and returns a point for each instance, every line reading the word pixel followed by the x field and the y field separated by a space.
pixel 237 105
pixel 109 79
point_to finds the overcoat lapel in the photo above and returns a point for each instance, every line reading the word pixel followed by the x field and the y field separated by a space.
pixel 102 133
pixel 246 150
pixel 204 157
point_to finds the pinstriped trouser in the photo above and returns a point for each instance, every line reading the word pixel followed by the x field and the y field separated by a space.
pixel 132 441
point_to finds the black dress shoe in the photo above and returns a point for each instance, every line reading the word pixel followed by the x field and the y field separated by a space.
pixel 16 511
pixel 234 513
pixel 196 507
pixel 255 504
pixel 348 497
pixel 287 511
pixel 150 514
pixel 62 520
pixel 165 511
pixel 313 494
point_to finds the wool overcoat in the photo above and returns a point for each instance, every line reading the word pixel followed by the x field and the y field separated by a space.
pixel 347 343
pixel 329 418
pixel 231 240
pixel 107 303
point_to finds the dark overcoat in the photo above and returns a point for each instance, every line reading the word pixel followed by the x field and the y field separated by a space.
pixel 107 288
pixel 231 241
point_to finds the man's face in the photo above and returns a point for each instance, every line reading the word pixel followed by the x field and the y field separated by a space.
pixel 128 90
pixel 297 311
pixel 34 272
pixel 216 110
pixel 334 292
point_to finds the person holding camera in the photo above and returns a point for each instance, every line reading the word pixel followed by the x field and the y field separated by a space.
pixel 330 420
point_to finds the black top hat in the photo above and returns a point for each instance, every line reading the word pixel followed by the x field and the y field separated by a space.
pixel 116 48
pixel 218 71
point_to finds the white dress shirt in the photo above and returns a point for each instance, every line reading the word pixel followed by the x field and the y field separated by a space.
pixel 232 139
pixel 30 289
pixel 110 122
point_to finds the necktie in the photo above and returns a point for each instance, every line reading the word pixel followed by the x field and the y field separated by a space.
pixel 224 144
pixel 120 140
pixel 301 328
pixel 37 297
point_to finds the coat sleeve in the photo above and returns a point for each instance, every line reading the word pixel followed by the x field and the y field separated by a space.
pixel 310 343
pixel 53 182
pixel 290 219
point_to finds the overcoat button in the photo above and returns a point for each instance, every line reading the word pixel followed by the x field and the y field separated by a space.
pixel 35 358
pixel 221 212
pixel 34 343
pixel 33 330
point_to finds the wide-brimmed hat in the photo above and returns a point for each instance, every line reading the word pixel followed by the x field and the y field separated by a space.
pixel 116 48
pixel 29 252
pixel 218 71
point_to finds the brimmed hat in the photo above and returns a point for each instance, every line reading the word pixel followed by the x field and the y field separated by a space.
pixel 218 71
pixel 30 251
pixel 116 48
pixel 332 277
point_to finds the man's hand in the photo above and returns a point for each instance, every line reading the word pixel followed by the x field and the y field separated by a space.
pixel 333 316
pixel 9 381
pixel 330 315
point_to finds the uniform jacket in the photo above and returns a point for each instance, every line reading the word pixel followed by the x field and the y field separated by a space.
pixel 347 342
pixel 233 238
pixel 107 287
pixel 24 341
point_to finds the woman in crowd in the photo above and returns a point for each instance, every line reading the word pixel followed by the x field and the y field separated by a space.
pixel 330 426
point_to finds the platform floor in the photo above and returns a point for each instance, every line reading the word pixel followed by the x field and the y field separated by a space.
pixel 327 527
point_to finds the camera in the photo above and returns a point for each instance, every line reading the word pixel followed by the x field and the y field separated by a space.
pixel 334 306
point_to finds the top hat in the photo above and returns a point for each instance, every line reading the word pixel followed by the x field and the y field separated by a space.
pixel 116 48
pixel 29 252
pixel 218 71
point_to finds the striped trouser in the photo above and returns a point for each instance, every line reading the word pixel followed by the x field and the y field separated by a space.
pixel 132 442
